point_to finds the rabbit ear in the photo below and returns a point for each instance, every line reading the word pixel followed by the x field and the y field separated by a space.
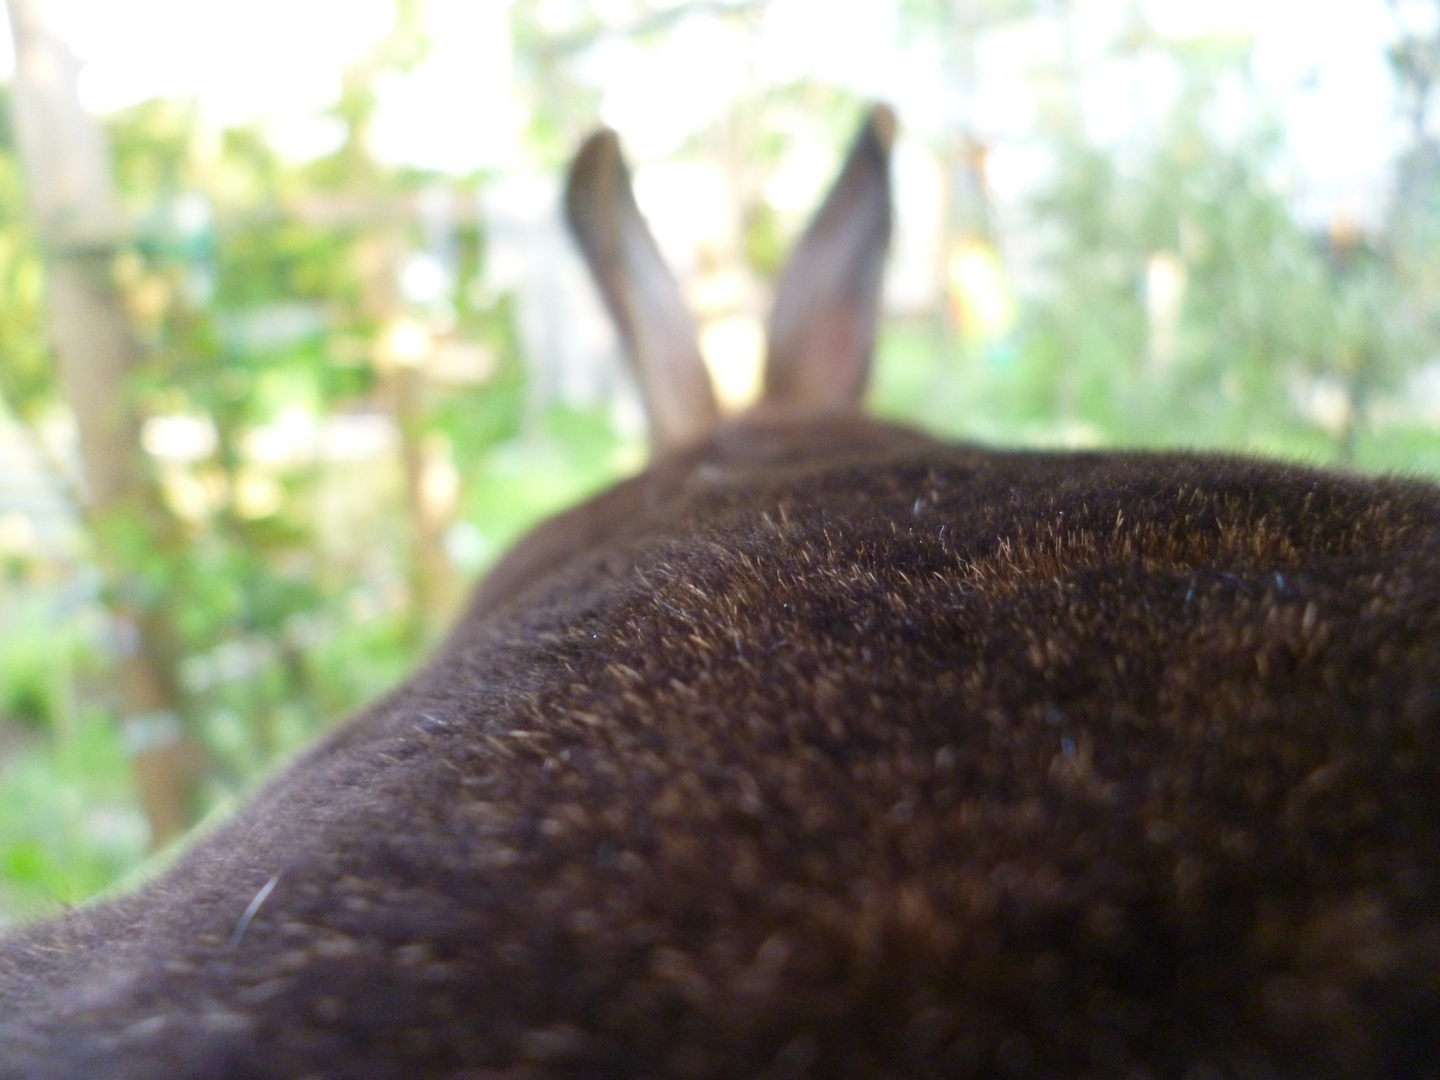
pixel 641 294
pixel 822 328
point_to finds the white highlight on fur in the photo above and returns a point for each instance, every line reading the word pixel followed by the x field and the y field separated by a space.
pixel 250 911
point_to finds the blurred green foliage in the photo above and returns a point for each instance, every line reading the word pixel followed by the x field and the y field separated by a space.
pixel 26 373
pixel 253 284
pixel 1271 316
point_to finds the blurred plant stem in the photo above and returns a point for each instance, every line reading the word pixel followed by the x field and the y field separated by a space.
pixel 400 352
pixel 67 170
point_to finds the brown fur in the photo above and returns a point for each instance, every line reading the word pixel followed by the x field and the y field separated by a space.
pixel 825 749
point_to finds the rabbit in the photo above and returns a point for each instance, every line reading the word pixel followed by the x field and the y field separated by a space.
pixel 824 748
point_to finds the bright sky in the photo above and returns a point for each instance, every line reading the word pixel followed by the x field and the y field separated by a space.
pixel 281 60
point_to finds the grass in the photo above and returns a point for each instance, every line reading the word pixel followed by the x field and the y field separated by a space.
pixel 69 824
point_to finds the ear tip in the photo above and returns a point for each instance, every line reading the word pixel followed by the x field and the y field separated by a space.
pixel 602 140
pixel 881 124
pixel 598 156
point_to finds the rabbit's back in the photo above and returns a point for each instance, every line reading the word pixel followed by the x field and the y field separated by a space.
pixel 869 761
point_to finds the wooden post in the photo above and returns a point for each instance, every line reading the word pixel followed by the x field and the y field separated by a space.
pixel 68 173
